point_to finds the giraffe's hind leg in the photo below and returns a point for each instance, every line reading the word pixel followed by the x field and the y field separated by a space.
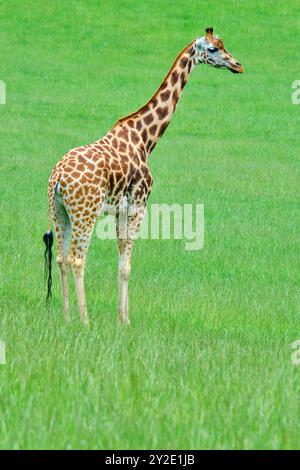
pixel 63 236
pixel 79 248
pixel 82 228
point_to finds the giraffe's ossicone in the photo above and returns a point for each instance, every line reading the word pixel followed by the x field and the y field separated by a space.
pixel 115 167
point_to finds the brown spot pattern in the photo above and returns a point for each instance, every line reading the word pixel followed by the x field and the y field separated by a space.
pixel 148 119
pixel 174 77
pixel 144 135
pixel 153 129
pixel 175 98
pixel 183 62
pixel 162 112
pixel 165 96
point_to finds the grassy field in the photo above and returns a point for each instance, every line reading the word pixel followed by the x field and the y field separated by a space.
pixel 207 360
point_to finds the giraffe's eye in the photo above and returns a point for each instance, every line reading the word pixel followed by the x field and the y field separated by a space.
pixel 212 49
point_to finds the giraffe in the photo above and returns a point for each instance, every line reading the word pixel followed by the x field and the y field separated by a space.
pixel 89 178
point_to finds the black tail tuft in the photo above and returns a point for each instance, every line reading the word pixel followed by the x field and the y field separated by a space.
pixel 48 240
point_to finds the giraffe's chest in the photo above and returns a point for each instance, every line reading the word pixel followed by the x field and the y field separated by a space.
pixel 134 190
pixel 134 184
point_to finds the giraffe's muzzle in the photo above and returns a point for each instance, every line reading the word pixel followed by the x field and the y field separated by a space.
pixel 235 67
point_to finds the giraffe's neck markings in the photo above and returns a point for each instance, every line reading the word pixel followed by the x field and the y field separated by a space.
pixel 144 127
pixel 148 119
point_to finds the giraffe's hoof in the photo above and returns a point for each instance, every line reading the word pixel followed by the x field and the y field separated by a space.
pixel 124 322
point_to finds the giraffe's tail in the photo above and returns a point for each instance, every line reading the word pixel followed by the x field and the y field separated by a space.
pixel 48 240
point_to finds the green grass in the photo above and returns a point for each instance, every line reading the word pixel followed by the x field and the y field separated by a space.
pixel 206 363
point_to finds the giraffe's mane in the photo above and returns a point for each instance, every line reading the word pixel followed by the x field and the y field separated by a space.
pixel 140 110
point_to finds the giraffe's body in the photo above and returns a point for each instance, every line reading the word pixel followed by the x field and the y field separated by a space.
pixel 89 178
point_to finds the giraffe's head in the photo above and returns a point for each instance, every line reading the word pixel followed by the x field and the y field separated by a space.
pixel 210 50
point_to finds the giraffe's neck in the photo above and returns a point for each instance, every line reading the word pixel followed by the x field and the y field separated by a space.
pixel 147 125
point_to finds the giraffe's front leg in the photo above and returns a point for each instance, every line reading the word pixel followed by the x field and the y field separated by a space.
pixel 124 273
pixel 125 242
